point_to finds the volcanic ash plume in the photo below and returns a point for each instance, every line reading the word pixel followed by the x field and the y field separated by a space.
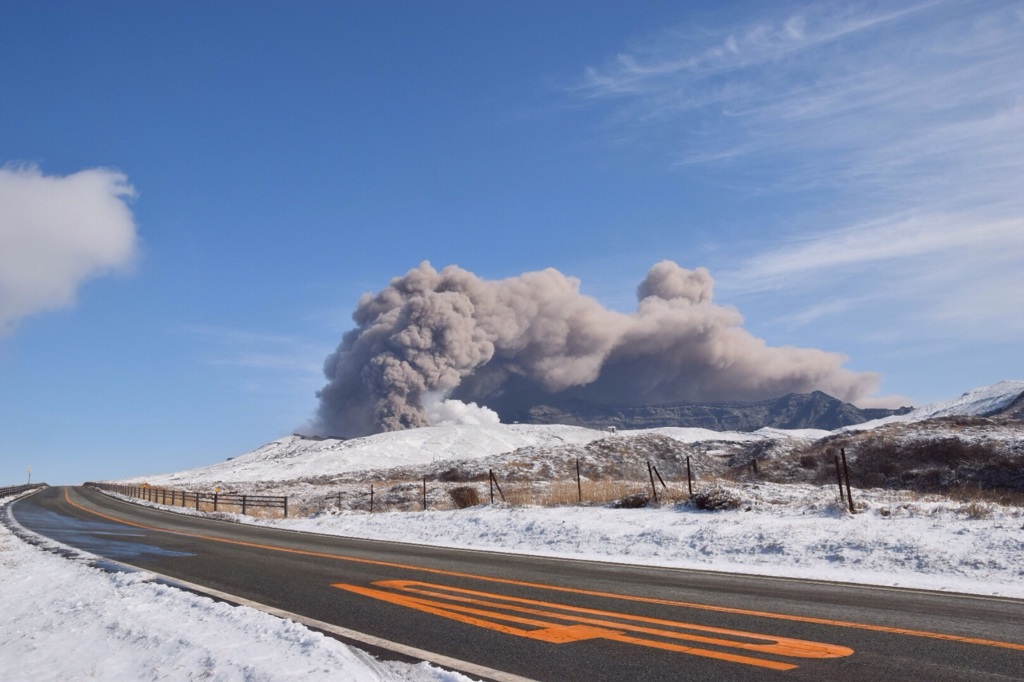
pixel 431 342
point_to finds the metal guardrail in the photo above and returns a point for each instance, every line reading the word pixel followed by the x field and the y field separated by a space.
pixel 16 489
pixel 200 501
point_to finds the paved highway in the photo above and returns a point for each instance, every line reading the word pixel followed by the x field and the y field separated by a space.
pixel 510 617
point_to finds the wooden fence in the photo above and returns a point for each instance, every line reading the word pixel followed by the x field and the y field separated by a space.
pixel 200 501
pixel 16 489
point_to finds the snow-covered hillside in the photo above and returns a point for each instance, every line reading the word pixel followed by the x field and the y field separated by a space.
pixel 979 402
pixel 982 402
pixel 295 457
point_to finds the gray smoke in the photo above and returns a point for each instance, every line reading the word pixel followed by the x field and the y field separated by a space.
pixel 512 343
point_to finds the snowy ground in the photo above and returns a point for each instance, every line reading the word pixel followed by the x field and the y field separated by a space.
pixel 895 539
pixel 67 620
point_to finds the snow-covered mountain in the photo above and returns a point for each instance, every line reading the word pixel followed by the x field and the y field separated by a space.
pixel 982 402
pixel 986 401
pixel 294 458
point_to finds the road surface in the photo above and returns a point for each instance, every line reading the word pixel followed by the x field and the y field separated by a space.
pixel 510 617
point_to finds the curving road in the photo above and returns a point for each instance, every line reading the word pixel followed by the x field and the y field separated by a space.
pixel 510 617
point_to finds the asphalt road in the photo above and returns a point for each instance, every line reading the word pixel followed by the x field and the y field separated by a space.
pixel 549 619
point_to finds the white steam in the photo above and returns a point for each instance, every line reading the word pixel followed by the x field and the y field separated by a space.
pixel 441 411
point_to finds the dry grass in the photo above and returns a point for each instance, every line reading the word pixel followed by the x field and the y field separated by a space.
pixel 975 493
pixel 601 492
pixel 397 495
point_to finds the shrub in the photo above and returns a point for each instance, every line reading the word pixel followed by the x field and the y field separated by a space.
pixel 874 479
pixel 715 498
pixel 634 501
pixel 452 475
pixel 464 496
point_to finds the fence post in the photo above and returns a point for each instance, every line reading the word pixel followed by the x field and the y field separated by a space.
pixel 689 476
pixel 656 473
pixel 243 504
pixel 286 506
pixel 579 485
pixel 650 473
pixel 495 484
pixel 839 478
pixel 846 471
pixel 371 498
pixel 424 493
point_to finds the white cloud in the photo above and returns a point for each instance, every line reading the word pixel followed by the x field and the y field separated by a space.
pixel 951 275
pixel 56 233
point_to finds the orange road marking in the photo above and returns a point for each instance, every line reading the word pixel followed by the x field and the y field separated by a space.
pixel 570 590
pixel 607 625
pixel 783 646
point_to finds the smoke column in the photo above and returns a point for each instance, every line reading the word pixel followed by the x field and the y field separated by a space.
pixel 439 340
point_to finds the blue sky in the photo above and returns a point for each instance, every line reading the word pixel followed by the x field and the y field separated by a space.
pixel 850 173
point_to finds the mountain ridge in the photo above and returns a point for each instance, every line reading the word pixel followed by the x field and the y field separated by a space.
pixel 816 410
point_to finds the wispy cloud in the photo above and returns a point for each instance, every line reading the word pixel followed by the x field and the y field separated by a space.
pixel 902 129
pixel 298 359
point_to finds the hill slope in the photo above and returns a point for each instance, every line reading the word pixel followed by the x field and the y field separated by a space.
pixel 431 451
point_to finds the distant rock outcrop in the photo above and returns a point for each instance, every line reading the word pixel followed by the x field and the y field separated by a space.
pixel 1014 410
pixel 793 411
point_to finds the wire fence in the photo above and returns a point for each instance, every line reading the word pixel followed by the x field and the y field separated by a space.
pixel 454 490
pixel 200 501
